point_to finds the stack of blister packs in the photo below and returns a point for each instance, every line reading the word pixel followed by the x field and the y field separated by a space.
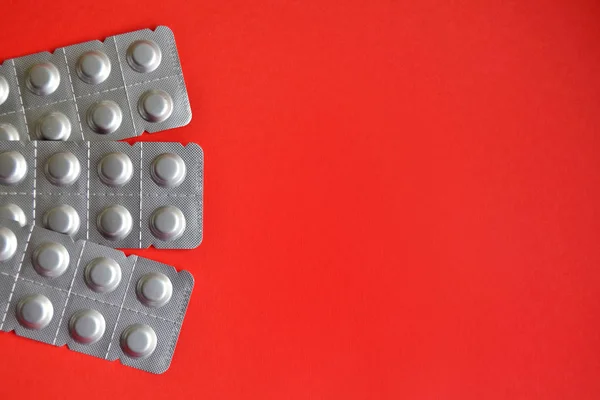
pixel 70 194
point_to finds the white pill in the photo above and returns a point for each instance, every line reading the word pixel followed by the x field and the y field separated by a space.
pixel 93 67
pixel 115 169
pixel 114 222
pixel 62 219
pixel 53 126
pixel 8 132
pixel 167 223
pixel 42 79
pixel 138 341
pixel 104 117
pixel 4 89
pixel 34 312
pixel 102 274
pixel 50 259
pixel 155 105
pixel 62 169
pixel 168 170
pixel 13 168
pixel 144 56
pixel 154 289
pixel 87 326
pixel 13 212
pixel 8 244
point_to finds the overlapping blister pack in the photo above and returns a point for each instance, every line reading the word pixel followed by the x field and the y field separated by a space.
pixel 90 297
pixel 96 90
pixel 70 194
pixel 112 193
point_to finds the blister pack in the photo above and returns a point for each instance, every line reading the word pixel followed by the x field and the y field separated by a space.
pixel 95 90
pixel 90 297
pixel 112 193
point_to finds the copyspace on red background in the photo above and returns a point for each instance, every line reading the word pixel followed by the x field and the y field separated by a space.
pixel 401 200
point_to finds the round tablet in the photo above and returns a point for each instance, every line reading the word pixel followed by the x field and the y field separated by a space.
pixel 168 170
pixel 4 89
pixel 104 117
pixel 8 244
pixel 167 223
pixel 155 105
pixel 62 219
pixel 13 212
pixel 115 169
pixel 42 79
pixel 50 259
pixel 93 67
pixel 62 169
pixel 144 55
pixel 87 326
pixel 53 126
pixel 8 132
pixel 102 274
pixel 138 341
pixel 114 222
pixel 13 168
pixel 154 289
pixel 34 312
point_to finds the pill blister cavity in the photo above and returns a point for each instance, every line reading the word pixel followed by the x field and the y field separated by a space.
pixel 93 67
pixel 34 312
pixel 114 222
pixel 62 169
pixel 104 117
pixel 13 168
pixel 53 126
pixel 155 105
pixel 62 219
pixel 50 259
pixel 138 341
pixel 13 212
pixel 154 289
pixel 4 90
pixel 115 169
pixel 42 79
pixel 87 326
pixel 8 132
pixel 167 223
pixel 168 170
pixel 102 275
pixel 8 244
pixel 144 56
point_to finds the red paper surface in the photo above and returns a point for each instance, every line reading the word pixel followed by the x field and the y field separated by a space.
pixel 401 200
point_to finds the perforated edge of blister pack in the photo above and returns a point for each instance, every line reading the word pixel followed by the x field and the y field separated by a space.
pixel 97 90
pixel 64 187
pixel 58 291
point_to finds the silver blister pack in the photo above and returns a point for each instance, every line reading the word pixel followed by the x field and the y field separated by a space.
pixel 112 193
pixel 90 297
pixel 98 91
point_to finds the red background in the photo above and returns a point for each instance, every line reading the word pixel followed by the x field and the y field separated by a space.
pixel 401 200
